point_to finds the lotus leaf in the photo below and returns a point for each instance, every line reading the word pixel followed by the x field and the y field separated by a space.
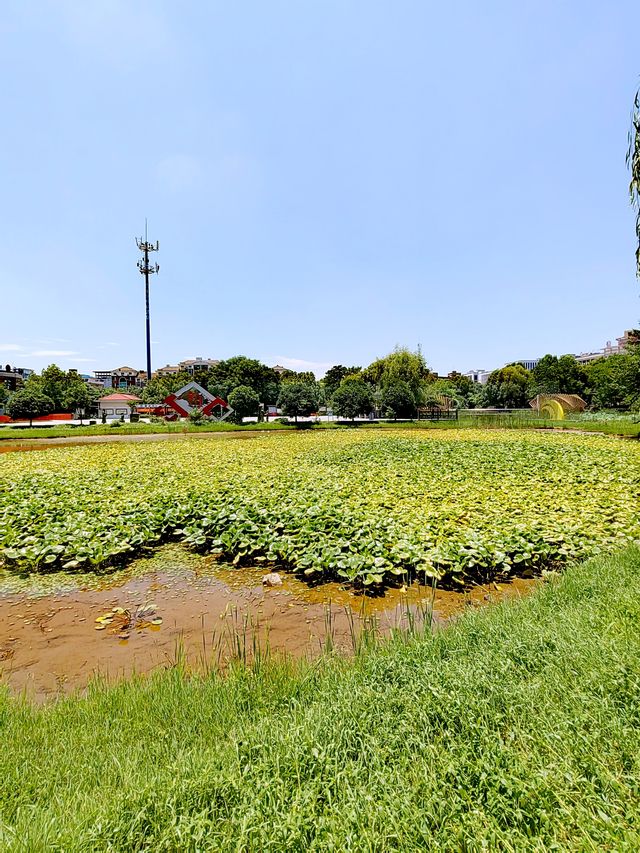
pixel 363 506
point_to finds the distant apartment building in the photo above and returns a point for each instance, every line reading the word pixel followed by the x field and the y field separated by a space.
pixel 631 336
pixel 167 370
pixel 12 377
pixel 121 377
pixel 191 365
pixel 585 357
pixel 479 376
pixel 278 368
pixel 528 363
pixel 91 381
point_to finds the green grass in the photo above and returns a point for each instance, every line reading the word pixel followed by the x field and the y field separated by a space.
pixel 615 426
pixel 517 728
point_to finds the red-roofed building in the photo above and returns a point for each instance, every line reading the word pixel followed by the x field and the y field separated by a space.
pixel 116 405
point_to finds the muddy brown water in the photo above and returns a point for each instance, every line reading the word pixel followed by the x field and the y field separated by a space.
pixel 50 642
pixel 10 445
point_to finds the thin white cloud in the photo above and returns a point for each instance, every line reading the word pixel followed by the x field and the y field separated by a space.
pixel 11 348
pixel 48 352
pixel 88 360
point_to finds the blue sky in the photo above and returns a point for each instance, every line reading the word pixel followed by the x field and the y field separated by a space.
pixel 327 179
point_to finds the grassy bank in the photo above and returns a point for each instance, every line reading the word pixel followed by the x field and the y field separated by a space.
pixel 614 427
pixel 608 427
pixel 518 728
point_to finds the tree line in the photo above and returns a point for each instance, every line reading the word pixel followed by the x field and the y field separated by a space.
pixel 609 382
pixel 54 390
pixel 401 382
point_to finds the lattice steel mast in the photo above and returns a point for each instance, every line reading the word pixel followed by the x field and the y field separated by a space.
pixel 147 269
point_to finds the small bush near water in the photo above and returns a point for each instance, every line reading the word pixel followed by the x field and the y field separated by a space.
pixel 517 728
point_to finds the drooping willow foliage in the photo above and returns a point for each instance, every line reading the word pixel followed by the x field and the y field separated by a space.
pixel 633 162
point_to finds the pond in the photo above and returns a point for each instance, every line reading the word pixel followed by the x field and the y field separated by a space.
pixel 180 604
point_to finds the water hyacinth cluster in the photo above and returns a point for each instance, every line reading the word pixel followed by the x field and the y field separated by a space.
pixel 363 507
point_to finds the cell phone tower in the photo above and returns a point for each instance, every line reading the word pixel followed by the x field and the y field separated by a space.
pixel 147 269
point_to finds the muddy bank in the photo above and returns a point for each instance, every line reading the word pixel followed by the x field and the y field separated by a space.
pixel 177 604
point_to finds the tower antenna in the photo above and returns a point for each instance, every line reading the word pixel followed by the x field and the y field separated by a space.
pixel 146 270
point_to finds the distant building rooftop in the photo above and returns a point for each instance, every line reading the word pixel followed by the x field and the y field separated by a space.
pixel 479 376
pixel 198 363
pixel 120 398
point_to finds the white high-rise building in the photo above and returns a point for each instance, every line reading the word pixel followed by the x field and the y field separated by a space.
pixel 479 376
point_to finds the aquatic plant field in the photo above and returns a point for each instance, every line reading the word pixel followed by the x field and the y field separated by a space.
pixel 361 506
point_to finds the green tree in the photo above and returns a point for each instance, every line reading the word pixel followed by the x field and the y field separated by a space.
pixel 305 376
pixel 465 389
pixel 29 403
pixel 196 417
pixel 244 401
pixel 159 388
pixel 508 387
pixel 54 383
pixel 446 388
pixel 240 370
pixel 353 397
pixel 270 392
pixel 544 376
pixel 614 382
pixel 554 375
pixel 398 400
pixel 4 395
pixel 77 397
pixel 287 376
pixel 572 375
pixel 298 399
pixel 334 376
pixel 401 365
pixel 478 396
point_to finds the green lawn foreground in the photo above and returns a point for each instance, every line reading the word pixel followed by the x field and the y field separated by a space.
pixel 517 728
